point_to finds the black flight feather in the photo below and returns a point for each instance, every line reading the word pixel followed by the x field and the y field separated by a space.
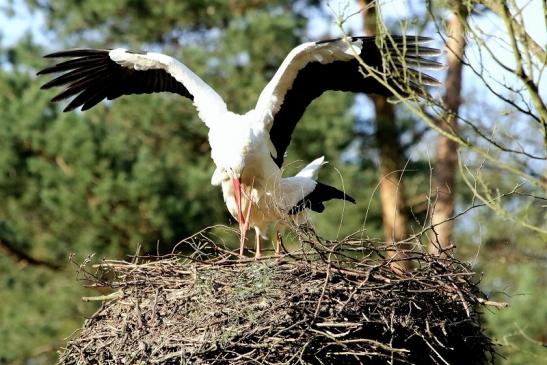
pixel 93 76
pixel 317 197
pixel 390 57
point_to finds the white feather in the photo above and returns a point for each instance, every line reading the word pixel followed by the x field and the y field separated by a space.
pixel 210 105
pixel 271 98
pixel 241 146
pixel 312 169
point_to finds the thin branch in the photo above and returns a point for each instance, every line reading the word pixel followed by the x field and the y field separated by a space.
pixel 19 255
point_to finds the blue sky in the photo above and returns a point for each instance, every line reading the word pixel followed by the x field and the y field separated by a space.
pixel 13 27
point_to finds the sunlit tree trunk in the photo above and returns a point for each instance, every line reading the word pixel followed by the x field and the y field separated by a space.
pixel 447 150
pixel 394 216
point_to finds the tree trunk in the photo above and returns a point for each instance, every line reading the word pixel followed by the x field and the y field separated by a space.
pixel 394 216
pixel 447 150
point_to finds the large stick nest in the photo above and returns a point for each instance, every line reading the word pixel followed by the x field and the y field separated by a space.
pixel 333 303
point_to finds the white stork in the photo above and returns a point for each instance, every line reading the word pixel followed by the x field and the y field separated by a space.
pixel 289 196
pixel 249 149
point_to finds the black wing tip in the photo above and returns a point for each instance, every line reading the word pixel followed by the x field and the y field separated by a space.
pixel 353 39
pixel 59 97
pixel 328 40
pixel 410 39
pixel 71 53
pixel 397 38
pixel 316 199
pixel 47 70
pixel 77 52
pixel 326 192
pixel 349 199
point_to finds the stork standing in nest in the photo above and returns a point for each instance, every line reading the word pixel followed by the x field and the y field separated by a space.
pixel 289 198
pixel 249 149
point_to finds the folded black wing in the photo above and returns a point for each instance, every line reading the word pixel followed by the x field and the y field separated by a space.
pixel 317 197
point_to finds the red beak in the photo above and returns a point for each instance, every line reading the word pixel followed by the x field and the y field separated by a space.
pixel 237 189
pixel 243 220
pixel 242 226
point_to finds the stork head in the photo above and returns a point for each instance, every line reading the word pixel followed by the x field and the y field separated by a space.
pixel 230 180
pixel 230 159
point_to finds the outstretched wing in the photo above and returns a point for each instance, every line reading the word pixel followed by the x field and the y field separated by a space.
pixel 313 68
pixel 92 75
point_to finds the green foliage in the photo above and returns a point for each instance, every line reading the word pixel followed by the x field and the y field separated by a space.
pixel 39 307
pixel 521 330
pixel 136 171
pixel 519 278
pixel 514 266
pixel 135 22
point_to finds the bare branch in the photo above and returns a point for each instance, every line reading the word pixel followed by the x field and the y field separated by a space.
pixel 11 250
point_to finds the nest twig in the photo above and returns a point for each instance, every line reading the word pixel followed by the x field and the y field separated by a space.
pixel 337 303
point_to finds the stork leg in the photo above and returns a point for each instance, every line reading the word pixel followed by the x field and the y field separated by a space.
pixel 244 227
pixel 241 220
pixel 258 253
pixel 241 240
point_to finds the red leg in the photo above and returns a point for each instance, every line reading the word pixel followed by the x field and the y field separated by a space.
pixel 246 222
pixel 240 218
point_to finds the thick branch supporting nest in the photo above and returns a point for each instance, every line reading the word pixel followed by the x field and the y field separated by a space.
pixel 298 309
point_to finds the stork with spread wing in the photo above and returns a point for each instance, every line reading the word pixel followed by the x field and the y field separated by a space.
pixel 249 149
